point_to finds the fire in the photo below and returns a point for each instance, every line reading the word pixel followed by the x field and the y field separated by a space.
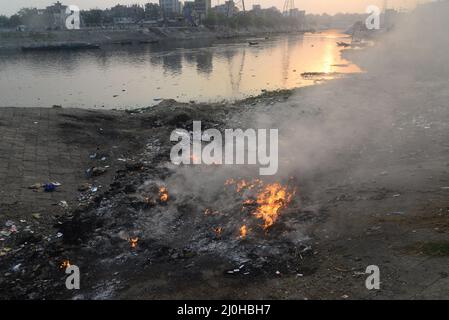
pixel 133 242
pixel 218 231
pixel 210 212
pixel 243 232
pixel 241 185
pixel 270 201
pixel 65 264
pixel 163 194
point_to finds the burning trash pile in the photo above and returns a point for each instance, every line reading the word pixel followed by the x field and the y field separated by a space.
pixel 245 221
pixel 265 201
pixel 157 216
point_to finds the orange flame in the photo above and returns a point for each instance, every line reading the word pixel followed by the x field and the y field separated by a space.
pixel 218 231
pixel 242 184
pixel 133 242
pixel 65 264
pixel 243 232
pixel 270 201
pixel 163 194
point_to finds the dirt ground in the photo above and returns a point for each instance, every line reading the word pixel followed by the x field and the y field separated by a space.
pixel 395 216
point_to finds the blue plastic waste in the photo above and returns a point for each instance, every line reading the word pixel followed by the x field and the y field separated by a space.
pixel 49 187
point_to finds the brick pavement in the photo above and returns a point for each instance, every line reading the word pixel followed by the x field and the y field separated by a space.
pixel 40 145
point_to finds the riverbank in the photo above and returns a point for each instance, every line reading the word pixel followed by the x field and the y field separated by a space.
pixel 14 40
pixel 383 204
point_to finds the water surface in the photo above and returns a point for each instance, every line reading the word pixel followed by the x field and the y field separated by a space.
pixel 141 75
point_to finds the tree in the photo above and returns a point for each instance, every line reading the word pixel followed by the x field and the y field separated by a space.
pixel 26 13
pixel 15 21
pixel 4 21
pixel 152 11
pixel 92 17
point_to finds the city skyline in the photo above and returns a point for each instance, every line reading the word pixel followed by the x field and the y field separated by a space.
pixel 311 6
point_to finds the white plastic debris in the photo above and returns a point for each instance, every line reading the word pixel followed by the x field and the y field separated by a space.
pixel 16 268
pixel 64 204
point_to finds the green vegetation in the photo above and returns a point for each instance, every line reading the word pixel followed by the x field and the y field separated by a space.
pixel 269 18
pixel 12 22
pixel 432 249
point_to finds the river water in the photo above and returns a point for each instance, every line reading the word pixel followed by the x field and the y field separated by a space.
pixel 140 75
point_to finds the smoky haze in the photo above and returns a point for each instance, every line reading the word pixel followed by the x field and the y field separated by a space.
pixel 358 127
pixel 356 121
pixel 314 6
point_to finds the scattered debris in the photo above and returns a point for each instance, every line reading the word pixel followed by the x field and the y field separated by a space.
pixel 65 264
pixel 64 204
pixel 49 187
pixel 133 242
pixel 96 171
pixel 243 232
pixel 313 75
pixel 84 187
pixel 343 44
pixel 16 268
pixel 36 215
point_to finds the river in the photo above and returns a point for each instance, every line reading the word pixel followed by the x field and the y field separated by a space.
pixel 140 75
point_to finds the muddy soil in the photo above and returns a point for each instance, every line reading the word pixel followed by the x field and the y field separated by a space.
pixel 395 215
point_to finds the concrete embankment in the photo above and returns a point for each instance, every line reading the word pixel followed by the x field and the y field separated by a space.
pixel 16 39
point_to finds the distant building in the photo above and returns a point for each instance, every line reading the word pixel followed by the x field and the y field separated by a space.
pixel 389 18
pixel 274 9
pixel 152 11
pixel 227 9
pixel 126 14
pixel 293 12
pixel 170 8
pixel 196 11
pixel 202 7
pixel 188 12
pixel 56 16
pixel 257 7
pixel 124 21
pixel 51 18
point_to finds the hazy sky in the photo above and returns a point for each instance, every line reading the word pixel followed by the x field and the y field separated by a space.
pixel 9 7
